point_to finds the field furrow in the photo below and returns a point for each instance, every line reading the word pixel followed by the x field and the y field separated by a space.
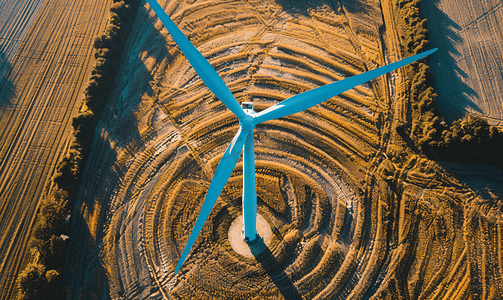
pixel 46 77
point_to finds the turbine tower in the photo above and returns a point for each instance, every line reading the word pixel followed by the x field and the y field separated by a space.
pixel 248 119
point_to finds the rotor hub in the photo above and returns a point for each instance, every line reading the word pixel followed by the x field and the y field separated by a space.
pixel 248 121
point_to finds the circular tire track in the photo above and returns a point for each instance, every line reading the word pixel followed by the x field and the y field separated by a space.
pixel 167 132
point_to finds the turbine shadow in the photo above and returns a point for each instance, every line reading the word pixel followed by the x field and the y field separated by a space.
pixel 273 268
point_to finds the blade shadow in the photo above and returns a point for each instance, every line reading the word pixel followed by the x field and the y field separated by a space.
pixel 273 268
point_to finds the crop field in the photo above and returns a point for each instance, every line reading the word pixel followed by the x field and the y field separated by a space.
pixel 15 20
pixel 44 61
pixel 356 211
pixel 469 70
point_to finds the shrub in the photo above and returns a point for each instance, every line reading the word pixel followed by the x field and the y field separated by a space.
pixel 471 138
pixel 64 174
pixel 102 41
pixel 37 284
pixel 32 282
pixel 121 9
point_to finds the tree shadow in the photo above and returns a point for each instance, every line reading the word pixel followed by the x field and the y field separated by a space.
pixel 443 34
pixel 86 276
pixel 484 180
pixel 302 7
pixel 294 7
pixel 273 268
pixel 6 86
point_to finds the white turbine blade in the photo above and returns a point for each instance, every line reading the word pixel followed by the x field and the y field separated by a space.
pixel 220 178
pixel 203 68
pixel 318 95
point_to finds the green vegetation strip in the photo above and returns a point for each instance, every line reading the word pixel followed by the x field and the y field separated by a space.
pixel 41 279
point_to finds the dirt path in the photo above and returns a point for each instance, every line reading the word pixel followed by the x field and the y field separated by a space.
pixel 467 68
pixel 41 90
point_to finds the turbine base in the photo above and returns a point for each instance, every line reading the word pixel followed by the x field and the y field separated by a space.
pixel 248 240
pixel 249 248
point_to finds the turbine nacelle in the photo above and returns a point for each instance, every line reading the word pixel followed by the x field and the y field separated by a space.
pixel 247 106
pixel 248 122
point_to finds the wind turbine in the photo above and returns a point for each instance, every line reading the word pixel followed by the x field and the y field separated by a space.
pixel 248 119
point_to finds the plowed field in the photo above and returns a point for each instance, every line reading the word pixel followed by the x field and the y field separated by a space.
pixel 468 67
pixel 47 50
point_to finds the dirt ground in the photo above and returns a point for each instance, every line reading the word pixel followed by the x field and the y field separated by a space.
pixel 46 58
pixel 164 132
pixel 468 66
pixel 354 214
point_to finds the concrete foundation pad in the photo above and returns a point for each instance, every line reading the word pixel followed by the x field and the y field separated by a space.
pixel 238 243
